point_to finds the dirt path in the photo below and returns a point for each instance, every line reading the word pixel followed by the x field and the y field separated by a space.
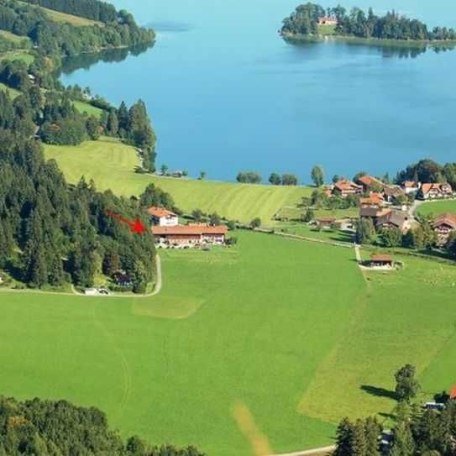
pixel 323 451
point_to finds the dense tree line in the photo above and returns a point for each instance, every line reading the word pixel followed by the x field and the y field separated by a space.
pixel 428 171
pixel 358 23
pixel 52 233
pixel 44 428
pixel 63 39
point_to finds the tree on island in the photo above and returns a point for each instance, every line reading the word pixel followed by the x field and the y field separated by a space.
pixel 318 176
pixel 407 385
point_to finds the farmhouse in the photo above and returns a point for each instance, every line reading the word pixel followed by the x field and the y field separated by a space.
pixel 410 187
pixel 162 217
pixel 325 223
pixel 444 225
pixel 346 188
pixel 435 191
pixel 394 219
pixel 392 193
pixel 386 218
pixel 189 235
pixel 327 20
pixel 370 183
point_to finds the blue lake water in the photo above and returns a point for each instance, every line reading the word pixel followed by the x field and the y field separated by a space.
pixel 226 93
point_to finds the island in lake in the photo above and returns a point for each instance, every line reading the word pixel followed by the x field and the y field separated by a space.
pixel 312 21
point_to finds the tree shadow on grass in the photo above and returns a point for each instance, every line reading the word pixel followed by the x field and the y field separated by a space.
pixel 379 392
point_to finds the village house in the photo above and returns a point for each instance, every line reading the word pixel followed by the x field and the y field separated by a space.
pixel 325 223
pixel 162 217
pixel 394 219
pixel 370 183
pixel 344 188
pixel 373 200
pixel 327 20
pixel 386 218
pixel 435 191
pixel 393 194
pixel 444 225
pixel 189 235
pixel 411 187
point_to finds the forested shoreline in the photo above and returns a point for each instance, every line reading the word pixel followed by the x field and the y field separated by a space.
pixel 307 19
pixel 53 234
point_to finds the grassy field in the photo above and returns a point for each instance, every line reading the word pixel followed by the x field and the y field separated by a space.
pixel 111 165
pixel 77 21
pixel 438 207
pixel 87 108
pixel 14 38
pixel 285 333
pixel 18 55
pixel 12 92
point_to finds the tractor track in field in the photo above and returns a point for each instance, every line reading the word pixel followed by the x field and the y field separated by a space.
pixel 125 366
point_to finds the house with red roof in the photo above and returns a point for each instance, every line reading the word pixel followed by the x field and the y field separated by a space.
pixel 444 225
pixel 189 235
pixel 162 217
pixel 435 191
pixel 344 188
pixel 370 183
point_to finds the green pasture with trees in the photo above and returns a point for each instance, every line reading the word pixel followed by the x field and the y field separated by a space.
pixel 296 346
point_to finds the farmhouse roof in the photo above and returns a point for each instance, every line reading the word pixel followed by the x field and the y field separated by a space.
pixel 372 212
pixel 445 219
pixel 396 218
pixel 160 212
pixel 410 184
pixel 368 181
pixel 346 185
pixel 374 199
pixel 326 220
pixel 189 230
pixel 393 190
pixel 453 392
pixel 440 187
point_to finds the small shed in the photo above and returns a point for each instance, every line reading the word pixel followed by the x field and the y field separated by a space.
pixel 381 261
pixel 325 223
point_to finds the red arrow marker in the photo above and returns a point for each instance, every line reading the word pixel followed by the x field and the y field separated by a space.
pixel 136 226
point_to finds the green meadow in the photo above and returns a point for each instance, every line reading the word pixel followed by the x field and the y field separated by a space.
pixel 438 207
pixel 290 331
pixel 111 165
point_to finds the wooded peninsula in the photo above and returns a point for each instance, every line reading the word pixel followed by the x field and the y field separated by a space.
pixel 311 20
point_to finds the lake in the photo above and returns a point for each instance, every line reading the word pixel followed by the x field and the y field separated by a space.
pixel 226 93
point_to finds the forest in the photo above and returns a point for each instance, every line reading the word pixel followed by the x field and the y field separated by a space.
pixel 59 428
pixel 62 39
pixel 304 21
pixel 52 233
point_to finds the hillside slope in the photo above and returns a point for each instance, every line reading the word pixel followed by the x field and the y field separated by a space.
pixel 111 165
